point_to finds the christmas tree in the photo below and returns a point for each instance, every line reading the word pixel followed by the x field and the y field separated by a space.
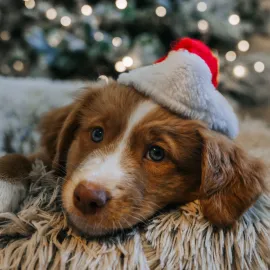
pixel 78 39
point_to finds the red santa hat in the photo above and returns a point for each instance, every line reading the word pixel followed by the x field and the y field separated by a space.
pixel 185 82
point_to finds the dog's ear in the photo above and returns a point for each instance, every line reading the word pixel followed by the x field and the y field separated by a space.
pixel 65 138
pixel 231 180
pixel 50 126
pixel 71 116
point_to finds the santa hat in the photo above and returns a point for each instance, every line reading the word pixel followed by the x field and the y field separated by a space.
pixel 185 83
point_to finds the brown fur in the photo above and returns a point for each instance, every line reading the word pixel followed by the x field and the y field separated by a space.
pixel 231 180
pixel 14 167
pixel 199 163
pixel 50 127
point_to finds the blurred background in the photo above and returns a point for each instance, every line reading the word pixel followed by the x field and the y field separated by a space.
pixel 83 39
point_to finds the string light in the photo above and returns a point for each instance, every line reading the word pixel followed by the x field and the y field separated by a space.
pixel 239 71
pixel 201 6
pixel 127 61
pixel 243 46
pixel 51 13
pixel 121 4
pixel 65 21
pixel 18 66
pixel 161 11
pixel 30 4
pixel 4 35
pixel 234 19
pixel 259 66
pixel 98 36
pixel 117 41
pixel 230 56
pixel 86 10
pixel 119 66
pixel 203 25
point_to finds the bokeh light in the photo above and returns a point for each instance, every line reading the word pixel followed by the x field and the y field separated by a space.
pixel 259 66
pixel 230 56
pixel 239 71
pixel 121 4
pixel 119 66
pixel 86 10
pixel 161 11
pixel 243 45
pixel 234 19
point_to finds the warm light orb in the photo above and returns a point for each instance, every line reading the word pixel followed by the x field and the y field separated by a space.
pixel 119 66
pixel 51 13
pixel 201 6
pixel 203 25
pixel 18 65
pixel 161 11
pixel 259 66
pixel 234 19
pixel 117 41
pixel 243 45
pixel 98 36
pixel 4 35
pixel 65 21
pixel 30 4
pixel 127 61
pixel 121 4
pixel 230 56
pixel 86 10
pixel 239 71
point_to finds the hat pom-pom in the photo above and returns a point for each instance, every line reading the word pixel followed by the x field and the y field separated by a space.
pixel 199 48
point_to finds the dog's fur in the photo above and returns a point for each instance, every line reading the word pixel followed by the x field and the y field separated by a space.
pixel 199 163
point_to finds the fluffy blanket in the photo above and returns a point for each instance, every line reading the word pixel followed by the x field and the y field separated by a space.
pixel 38 237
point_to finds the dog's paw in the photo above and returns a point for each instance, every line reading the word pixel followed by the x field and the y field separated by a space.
pixel 11 195
pixel 14 172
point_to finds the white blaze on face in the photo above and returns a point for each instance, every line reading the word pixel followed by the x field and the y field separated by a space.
pixel 106 170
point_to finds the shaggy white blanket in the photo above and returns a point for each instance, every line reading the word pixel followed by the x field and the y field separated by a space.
pixel 38 237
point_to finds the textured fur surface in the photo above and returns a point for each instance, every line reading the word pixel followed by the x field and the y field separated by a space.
pixel 38 237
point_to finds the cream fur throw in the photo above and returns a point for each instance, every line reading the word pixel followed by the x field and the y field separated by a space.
pixel 38 237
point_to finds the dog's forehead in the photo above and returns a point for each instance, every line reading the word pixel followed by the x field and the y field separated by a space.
pixel 115 97
pixel 119 103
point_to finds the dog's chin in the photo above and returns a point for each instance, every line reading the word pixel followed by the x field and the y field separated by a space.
pixel 93 227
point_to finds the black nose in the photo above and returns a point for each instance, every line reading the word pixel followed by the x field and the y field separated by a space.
pixel 88 198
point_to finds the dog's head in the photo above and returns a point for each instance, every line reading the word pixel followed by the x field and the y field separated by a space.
pixel 125 157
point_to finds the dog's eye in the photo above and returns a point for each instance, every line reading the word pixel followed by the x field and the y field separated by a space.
pixel 155 153
pixel 97 134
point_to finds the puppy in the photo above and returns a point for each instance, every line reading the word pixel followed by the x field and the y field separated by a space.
pixel 124 157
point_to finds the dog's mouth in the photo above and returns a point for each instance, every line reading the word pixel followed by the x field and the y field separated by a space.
pixel 102 234
pixel 81 227
pixel 108 221
pixel 120 212
pixel 100 224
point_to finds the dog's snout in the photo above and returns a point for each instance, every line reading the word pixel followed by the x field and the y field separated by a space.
pixel 88 198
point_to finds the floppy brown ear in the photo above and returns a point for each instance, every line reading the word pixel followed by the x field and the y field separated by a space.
pixel 231 180
pixel 65 138
pixel 50 126
pixel 71 124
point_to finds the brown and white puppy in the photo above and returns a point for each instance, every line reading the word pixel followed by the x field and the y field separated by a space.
pixel 124 157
